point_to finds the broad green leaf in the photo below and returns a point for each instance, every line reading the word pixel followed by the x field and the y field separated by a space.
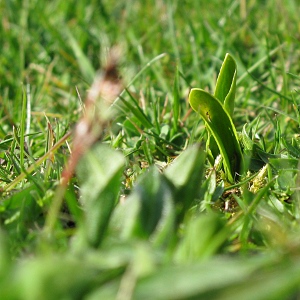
pixel 99 172
pixel 148 211
pixel 197 280
pixel 70 277
pixel 202 237
pixel 279 280
pixel 189 162
pixel 225 93
pixel 226 84
pixel 221 127
pixel 185 173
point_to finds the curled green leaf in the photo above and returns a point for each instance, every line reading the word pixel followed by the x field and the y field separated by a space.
pixel 226 84
pixel 221 127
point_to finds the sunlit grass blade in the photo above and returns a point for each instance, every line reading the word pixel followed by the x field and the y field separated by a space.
pixel 175 104
pixel 23 129
pixel 84 64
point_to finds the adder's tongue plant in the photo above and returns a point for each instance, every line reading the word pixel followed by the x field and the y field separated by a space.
pixel 217 111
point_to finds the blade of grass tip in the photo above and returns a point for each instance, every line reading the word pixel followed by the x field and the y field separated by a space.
pixel 23 129
pixel 28 114
pixel 49 145
pixel 175 103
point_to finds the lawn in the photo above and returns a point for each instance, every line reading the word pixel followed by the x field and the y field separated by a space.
pixel 149 149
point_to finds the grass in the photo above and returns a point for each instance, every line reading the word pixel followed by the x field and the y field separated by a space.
pixel 135 207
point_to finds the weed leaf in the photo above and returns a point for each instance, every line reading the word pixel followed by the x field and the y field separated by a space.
pixel 221 127
pixel 148 211
pixel 185 173
pixel 100 173
pixel 226 84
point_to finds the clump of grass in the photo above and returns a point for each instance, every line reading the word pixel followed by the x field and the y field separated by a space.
pixel 153 205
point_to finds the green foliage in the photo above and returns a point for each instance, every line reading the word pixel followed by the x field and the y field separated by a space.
pixel 99 173
pixel 221 127
pixel 226 84
pixel 149 213
pixel 218 121
pixel 217 111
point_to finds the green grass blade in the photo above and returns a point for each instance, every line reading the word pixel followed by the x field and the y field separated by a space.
pixel 148 65
pixel 22 129
pixel 175 104
pixel 259 63
pixel 221 127
pixel 136 111
pixel 85 65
